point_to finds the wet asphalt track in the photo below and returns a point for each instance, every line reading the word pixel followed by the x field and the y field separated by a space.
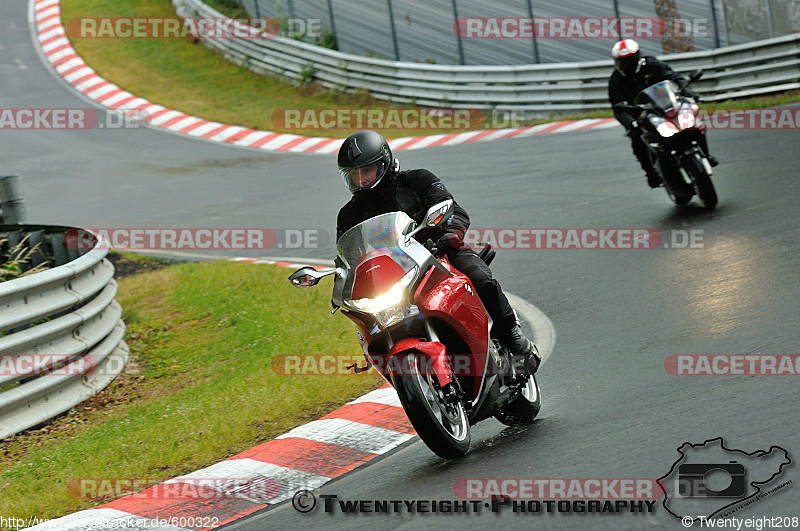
pixel 610 408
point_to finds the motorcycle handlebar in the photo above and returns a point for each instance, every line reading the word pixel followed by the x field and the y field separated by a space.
pixel 430 245
pixel 625 106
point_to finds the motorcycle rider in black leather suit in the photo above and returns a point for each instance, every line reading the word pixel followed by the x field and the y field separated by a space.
pixel 632 74
pixel 372 175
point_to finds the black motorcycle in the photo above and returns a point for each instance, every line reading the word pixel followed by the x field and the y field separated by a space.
pixel 675 140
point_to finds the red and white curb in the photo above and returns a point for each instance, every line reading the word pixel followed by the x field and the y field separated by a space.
pixel 57 49
pixel 304 458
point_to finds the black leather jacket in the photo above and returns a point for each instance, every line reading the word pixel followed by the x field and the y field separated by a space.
pixel 625 88
pixel 413 192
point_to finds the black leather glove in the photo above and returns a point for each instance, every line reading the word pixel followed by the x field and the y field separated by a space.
pixel 633 129
pixel 450 242
pixel 691 94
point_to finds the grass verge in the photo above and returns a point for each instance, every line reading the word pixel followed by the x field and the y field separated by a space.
pixel 199 386
pixel 183 74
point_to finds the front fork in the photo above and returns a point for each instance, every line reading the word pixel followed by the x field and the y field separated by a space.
pixel 670 163
pixel 703 142
pixel 452 390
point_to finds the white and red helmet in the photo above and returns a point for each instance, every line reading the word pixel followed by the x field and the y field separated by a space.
pixel 627 57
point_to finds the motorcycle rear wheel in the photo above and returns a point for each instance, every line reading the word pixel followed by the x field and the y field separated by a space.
pixel 441 424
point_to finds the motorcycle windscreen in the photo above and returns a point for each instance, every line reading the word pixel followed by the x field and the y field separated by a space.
pixel 661 96
pixel 374 250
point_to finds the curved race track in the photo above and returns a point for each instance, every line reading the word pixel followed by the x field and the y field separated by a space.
pixel 610 408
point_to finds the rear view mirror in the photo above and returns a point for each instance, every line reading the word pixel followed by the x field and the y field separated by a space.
pixel 305 277
pixel 435 216
pixel 439 213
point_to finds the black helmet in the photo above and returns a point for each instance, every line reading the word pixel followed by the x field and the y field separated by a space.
pixel 627 57
pixel 365 162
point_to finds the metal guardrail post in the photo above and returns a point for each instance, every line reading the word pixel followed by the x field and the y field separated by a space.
pixel 59 249
pixel 535 43
pixel 459 39
pixel 12 203
pixel 38 256
pixel 292 17
pixel 394 30
pixel 330 14
pixel 768 16
pixel 712 3
pixel 617 22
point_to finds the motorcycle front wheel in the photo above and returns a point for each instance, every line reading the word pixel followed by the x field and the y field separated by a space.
pixel 678 199
pixel 702 181
pixel 441 423
pixel 675 183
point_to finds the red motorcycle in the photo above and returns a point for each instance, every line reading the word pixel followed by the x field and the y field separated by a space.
pixel 424 328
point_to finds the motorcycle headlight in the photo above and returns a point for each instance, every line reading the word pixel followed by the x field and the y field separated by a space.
pixel 666 129
pixel 395 314
pixel 389 298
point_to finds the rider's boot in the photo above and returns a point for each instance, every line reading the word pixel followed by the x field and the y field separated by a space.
pixel 521 347
pixel 653 179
